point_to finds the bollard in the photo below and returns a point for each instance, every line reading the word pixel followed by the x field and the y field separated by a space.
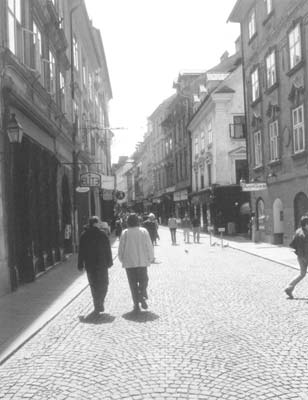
pixel 210 229
pixel 221 231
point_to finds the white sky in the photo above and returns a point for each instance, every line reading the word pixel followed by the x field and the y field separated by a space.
pixel 147 43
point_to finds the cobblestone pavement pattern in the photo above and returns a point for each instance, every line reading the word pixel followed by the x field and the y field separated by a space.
pixel 218 327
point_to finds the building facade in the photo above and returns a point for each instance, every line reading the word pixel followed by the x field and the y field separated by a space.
pixel 218 139
pixel 274 45
pixel 50 58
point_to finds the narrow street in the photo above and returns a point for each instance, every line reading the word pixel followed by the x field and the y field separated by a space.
pixel 218 327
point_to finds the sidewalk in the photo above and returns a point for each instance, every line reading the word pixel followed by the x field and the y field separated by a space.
pixel 24 312
pixel 278 253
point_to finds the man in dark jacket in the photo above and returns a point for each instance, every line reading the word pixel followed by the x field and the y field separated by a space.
pixel 95 256
pixel 300 245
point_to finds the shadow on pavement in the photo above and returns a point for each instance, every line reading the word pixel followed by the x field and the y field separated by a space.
pixel 140 316
pixel 101 319
pixel 300 298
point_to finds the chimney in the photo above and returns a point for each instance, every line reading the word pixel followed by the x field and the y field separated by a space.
pixel 224 56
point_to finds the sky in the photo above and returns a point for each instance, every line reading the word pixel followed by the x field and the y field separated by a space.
pixel 147 44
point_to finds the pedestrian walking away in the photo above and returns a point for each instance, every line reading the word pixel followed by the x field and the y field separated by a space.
pixel 172 224
pixel 186 225
pixel 136 253
pixel 300 245
pixel 95 256
pixel 196 228
pixel 151 226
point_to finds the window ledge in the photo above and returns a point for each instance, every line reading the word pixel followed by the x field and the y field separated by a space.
pixel 268 17
pixel 258 168
pixel 252 38
pixel 255 102
pixel 295 68
pixel 300 154
pixel 273 163
pixel 272 88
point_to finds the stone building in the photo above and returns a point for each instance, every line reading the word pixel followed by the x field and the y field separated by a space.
pixel 218 139
pixel 274 48
pixel 54 91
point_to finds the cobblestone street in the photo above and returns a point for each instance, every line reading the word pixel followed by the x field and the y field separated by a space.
pixel 218 327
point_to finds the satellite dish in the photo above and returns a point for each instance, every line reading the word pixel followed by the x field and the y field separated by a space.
pixel 82 189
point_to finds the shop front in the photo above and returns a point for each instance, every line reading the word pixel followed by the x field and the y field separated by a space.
pixel 182 204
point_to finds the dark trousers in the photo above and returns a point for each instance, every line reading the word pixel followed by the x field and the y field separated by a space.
pixel 138 282
pixel 98 281
pixel 173 235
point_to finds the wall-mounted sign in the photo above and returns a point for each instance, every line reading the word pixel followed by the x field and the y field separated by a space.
pixel 83 189
pixel 120 195
pixel 90 179
pixel 253 187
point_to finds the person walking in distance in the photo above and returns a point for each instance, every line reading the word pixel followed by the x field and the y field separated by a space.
pixel 136 253
pixel 186 225
pixel 172 224
pixel 95 256
pixel 300 245
pixel 196 228
pixel 151 226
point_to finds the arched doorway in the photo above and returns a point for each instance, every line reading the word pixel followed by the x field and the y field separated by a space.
pixel 300 208
pixel 260 217
pixel 278 221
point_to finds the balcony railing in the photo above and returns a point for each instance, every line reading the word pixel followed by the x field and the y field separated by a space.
pixel 237 131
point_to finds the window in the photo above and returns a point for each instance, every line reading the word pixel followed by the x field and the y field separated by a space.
pixel 84 73
pixel 273 140
pixel 237 129
pixel 196 146
pixel 209 174
pixel 270 69
pixel 210 132
pixel 76 53
pixel 14 26
pixel 202 140
pixel 255 89
pixel 295 46
pixel 269 6
pixel 298 129
pixel 252 24
pixel 38 50
pixel 90 87
pixel 62 91
pixel 258 149
pixel 52 73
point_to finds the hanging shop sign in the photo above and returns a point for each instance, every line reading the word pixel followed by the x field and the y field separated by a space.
pixel 90 179
pixel 253 187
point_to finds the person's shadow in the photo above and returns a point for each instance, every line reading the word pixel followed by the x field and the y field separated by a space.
pixel 100 319
pixel 140 316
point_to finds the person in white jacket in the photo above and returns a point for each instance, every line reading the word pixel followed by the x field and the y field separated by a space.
pixel 136 253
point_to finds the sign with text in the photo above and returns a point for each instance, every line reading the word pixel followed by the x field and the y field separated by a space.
pixel 253 187
pixel 90 179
